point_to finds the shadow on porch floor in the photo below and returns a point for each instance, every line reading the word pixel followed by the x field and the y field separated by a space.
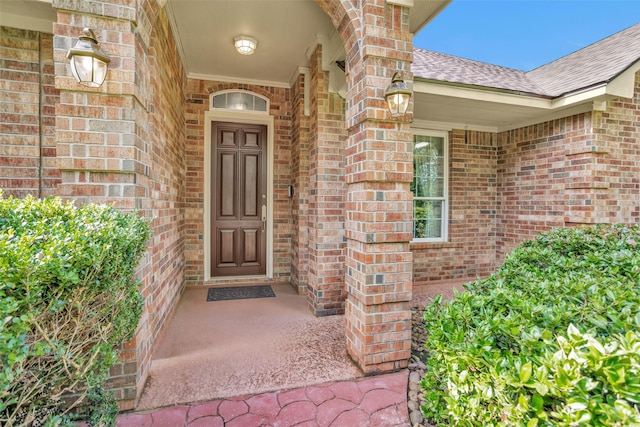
pixel 218 349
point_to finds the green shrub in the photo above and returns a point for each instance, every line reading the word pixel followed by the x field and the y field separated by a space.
pixel 68 300
pixel 552 339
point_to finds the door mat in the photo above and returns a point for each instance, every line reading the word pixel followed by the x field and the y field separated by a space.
pixel 240 292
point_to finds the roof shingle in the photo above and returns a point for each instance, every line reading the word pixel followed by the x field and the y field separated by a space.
pixel 597 63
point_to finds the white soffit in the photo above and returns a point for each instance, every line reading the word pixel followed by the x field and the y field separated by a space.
pixel 436 102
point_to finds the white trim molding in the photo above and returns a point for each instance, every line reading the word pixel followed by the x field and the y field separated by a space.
pixel 407 3
pixel 243 117
pixel 229 79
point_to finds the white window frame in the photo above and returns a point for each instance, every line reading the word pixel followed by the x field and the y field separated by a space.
pixel 444 234
pixel 239 91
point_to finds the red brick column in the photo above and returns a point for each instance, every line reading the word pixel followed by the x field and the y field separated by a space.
pixel 326 290
pixel 102 141
pixel 379 169
pixel 300 180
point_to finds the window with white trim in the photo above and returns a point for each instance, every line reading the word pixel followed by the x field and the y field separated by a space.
pixel 239 100
pixel 430 186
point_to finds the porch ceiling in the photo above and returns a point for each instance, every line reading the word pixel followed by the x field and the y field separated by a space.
pixel 205 30
pixel 285 31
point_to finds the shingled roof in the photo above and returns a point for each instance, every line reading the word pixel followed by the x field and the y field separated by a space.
pixel 595 64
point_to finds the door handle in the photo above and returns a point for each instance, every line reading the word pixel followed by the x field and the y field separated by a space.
pixel 264 216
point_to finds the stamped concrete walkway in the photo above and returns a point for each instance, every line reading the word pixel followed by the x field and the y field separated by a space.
pixel 379 401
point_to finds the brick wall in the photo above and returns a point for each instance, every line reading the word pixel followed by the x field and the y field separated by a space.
pixel 617 138
pixel 581 169
pixel 533 172
pixel 165 185
pixel 27 114
pixel 197 102
pixel 470 249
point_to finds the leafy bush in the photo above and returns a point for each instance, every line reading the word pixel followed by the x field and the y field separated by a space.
pixel 552 339
pixel 68 300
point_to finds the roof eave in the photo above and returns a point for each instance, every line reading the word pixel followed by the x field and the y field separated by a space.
pixel 623 83
pixel 480 93
pixel 418 24
pixel 538 108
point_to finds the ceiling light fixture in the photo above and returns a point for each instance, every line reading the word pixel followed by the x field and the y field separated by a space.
pixel 88 61
pixel 245 45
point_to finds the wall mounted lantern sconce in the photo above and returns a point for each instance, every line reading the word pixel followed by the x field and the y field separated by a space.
pixel 245 45
pixel 88 61
pixel 397 95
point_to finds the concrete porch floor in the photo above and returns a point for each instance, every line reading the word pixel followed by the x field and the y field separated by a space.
pixel 266 362
pixel 219 349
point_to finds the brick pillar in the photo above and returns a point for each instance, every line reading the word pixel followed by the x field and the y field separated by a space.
pixel 102 140
pixel 379 170
pixel 326 293
pixel 300 182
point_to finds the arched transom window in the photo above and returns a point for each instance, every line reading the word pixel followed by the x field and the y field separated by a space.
pixel 239 100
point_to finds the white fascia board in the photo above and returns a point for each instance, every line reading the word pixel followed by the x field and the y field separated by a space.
pixel 621 86
pixel 586 96
pixel 624 84
pixel 480 95
pixel 229 79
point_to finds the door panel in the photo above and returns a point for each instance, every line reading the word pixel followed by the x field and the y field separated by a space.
pixel 251 252
pixel 227 179
pixel 226 239
pixel 238 244
pixel 251 193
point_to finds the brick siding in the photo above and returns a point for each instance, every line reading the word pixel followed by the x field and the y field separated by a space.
pixel 300 137
pixel 124 144
pixel 27 114
pixel 507 187
pixel 326 244
pixel 470 249
pixel 582 169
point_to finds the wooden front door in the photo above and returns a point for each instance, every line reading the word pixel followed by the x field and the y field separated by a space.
pixel 239 199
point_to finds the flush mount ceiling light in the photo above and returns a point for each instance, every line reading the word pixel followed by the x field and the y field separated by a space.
pixel 245 45
pixel 397 95
pixel 88 61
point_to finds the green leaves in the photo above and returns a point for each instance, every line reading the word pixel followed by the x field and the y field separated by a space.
pixel 525 372
pixel 68 300
pixel 551 339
